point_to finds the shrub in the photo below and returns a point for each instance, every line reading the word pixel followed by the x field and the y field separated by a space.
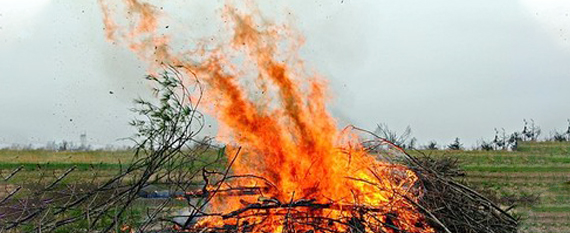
pixel 455 145
pixel 432 145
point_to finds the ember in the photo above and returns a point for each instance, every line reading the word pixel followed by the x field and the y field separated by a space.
pixel 293 171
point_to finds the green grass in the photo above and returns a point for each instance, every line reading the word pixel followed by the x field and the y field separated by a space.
pixel 65 157
pixel 62 166
pixel 516 168
pixel 556 209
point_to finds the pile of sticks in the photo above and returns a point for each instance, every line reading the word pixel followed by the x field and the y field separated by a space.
pixel 448 206
pixel 453 206
pixel 306 216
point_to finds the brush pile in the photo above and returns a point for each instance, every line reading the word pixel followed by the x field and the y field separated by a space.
pixel 447 205
pixel 454 207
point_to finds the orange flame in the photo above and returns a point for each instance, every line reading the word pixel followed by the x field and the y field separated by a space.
pixel 287 134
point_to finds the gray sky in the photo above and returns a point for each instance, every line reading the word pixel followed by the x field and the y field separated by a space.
pixel 446 68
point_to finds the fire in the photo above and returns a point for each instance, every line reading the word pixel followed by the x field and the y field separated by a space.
pixel 316 177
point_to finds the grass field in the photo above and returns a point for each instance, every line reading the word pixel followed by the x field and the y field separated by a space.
pixel 541 169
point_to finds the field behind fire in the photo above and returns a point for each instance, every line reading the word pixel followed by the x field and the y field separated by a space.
pixel 535 178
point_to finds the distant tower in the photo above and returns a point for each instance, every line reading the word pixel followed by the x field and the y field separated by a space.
pixel 83 138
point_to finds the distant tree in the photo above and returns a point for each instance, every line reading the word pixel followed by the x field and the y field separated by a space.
pixel 455 145
pixel 398 139
pixel 500 140
pixel 64 145
pixel 51 145
pixel 484 145
pixel 15 146
pixel 412 143
pixel 568 131
pixel 530 132
pixel 559 137
pixel 432 145
pixel 514 139
pixel 504 141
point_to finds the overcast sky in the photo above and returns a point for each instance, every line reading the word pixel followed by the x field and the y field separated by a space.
pixel 446 68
